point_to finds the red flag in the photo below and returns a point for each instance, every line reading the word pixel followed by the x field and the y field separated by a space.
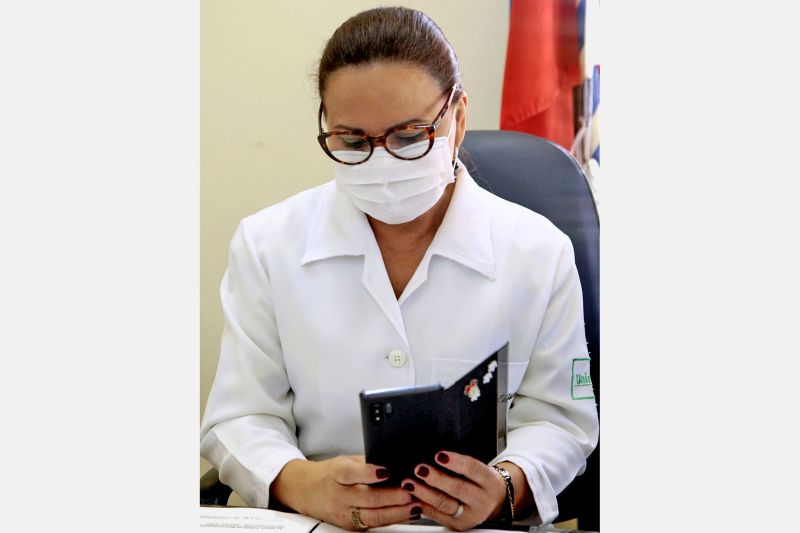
pixel 542 67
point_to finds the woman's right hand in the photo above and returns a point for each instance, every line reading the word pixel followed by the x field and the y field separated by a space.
pixel 329 490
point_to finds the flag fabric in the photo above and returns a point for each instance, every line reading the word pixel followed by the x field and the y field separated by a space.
pixel 542 68
pixel 594 145
pixel 586 147
pixel 587 138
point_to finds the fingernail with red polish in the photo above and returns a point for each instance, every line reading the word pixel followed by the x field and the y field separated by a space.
pixel 382 473
pixel 409 487
pixel 416 510
pixel 442 457
pixel 423 471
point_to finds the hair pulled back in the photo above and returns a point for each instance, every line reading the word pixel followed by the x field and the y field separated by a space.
pixel 391 34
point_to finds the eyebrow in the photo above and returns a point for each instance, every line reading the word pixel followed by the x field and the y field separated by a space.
pixel 398 125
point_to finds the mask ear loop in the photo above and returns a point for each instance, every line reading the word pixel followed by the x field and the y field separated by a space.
pixel 455 161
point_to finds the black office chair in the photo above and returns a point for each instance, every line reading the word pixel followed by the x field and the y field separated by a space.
pixel 545 178
pixel 212 490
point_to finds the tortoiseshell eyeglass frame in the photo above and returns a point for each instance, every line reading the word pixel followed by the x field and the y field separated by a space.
pixel 430 128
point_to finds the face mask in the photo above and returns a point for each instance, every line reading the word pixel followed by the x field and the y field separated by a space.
pixel 393 190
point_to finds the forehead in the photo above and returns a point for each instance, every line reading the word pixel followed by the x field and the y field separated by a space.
pixel 377 96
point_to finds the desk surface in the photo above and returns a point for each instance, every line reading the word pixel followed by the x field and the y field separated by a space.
pixel 217 519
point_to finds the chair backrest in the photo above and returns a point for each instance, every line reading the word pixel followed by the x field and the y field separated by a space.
pixel 545 178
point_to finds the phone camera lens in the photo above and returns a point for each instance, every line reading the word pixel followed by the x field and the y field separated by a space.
pixel 376 413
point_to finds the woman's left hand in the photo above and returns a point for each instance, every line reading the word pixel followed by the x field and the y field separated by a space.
pixel 441 490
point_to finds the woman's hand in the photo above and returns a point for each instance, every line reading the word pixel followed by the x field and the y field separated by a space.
pixel 330 490
pixel 442 491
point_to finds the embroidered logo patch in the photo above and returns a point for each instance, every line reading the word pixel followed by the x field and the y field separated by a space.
pixel 581 386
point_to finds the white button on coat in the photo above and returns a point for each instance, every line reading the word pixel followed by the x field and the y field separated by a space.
pixel 397 358
pixel 310 314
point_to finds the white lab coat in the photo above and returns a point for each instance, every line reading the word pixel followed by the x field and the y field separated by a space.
pixel 311 318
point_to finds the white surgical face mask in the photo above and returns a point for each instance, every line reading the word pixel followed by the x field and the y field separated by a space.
pixel 394 190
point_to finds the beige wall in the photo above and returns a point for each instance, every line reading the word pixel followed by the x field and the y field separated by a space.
pixel 258 111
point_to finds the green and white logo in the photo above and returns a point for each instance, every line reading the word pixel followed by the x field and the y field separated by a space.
pixel 581 386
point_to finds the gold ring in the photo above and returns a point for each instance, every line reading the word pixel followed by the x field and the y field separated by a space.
pixel 355 518
pixel 458 512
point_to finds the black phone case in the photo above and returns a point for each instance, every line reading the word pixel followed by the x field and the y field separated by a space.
pixel 406 426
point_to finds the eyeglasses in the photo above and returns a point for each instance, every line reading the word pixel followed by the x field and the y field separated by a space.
pixel 408 142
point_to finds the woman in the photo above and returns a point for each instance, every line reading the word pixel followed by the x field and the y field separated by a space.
pixel 385 277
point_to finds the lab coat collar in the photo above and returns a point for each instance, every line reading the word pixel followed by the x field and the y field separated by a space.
pixel 465 235
pixel 339 228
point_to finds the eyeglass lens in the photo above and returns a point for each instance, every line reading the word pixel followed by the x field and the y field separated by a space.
pixel 405 144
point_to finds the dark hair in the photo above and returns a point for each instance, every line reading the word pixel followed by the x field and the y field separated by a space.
pixel 391 34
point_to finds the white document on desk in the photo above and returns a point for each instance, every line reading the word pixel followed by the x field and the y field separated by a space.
pixel 227 519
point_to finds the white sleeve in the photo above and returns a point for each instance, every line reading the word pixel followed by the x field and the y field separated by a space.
pixel 553 427
pixel 248 432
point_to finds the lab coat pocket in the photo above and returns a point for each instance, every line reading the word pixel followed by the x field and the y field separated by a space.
pixel 447 371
